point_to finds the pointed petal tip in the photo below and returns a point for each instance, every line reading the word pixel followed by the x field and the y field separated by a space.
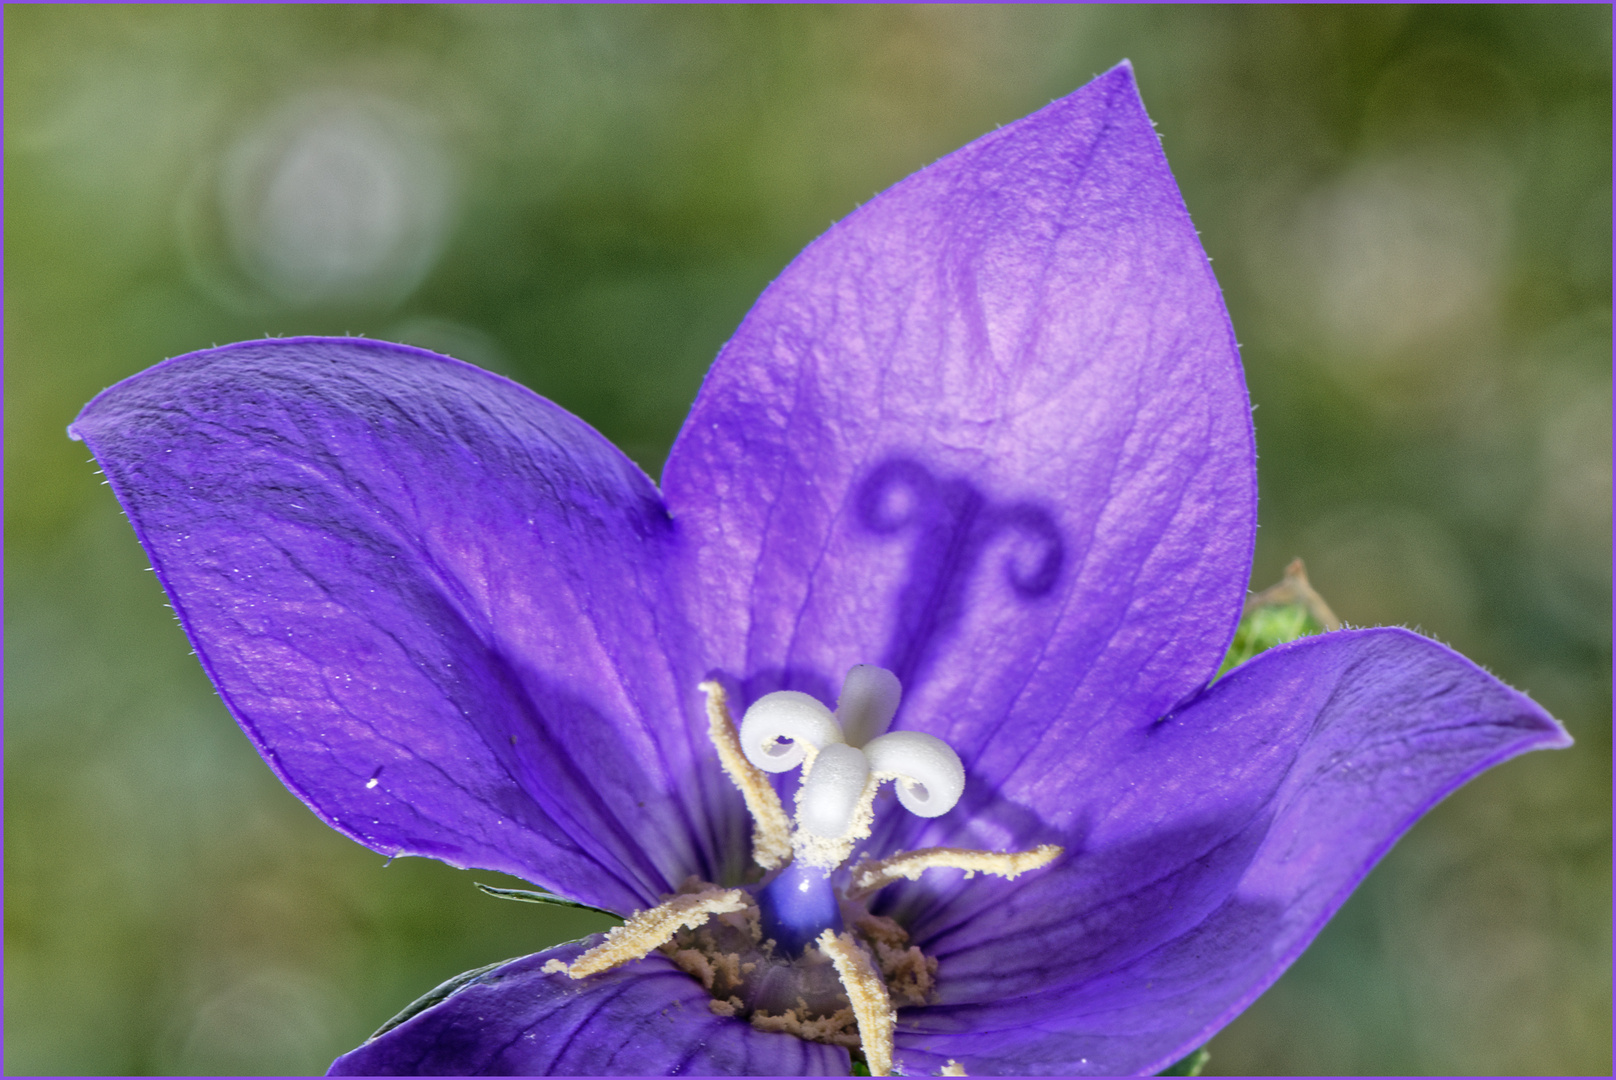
pixel 1545 731
pixel 1552 734
pixel 1114 79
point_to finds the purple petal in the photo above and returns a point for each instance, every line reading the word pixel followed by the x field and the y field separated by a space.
pixel 989 432
pixel 647 1018
pixel 1214 854
pixel 434 602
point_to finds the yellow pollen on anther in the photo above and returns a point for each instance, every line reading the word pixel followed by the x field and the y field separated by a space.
pixel 953 1068
pixel 872 1009
pixel 649 929
pixel 771 828
pixel 868 877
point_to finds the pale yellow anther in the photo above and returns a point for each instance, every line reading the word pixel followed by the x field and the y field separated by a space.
pixel 868 877
pixel 649 929
pixel 872 1009
pixel 771 828
pixel 953 1068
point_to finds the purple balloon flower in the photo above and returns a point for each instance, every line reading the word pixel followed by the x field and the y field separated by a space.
pixel 986 445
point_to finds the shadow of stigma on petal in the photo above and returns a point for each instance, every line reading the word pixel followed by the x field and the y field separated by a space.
pixel 950 524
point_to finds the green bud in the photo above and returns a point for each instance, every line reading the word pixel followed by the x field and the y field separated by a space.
pixel 1280 613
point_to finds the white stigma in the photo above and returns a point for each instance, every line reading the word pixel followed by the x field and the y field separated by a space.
pixel 845 756
pixel 930 778
pixel 780 728
pixel 868 703
pixel 832 790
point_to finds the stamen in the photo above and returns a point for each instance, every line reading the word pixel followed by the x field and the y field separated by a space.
pixel 868 703
pixel 868 877
pixel 868 995
pixel 930 775
pixel 771 828
pixel 953 1068
pixel 649 929
pixel 780 729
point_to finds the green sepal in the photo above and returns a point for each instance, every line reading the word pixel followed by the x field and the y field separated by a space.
pixel 437 994
pixel 1188 1066
pixel 530 896
pixel 860 1066
pixel 1278 614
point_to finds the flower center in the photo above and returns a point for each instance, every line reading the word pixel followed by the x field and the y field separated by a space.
pixel 779 955
pixel 821 992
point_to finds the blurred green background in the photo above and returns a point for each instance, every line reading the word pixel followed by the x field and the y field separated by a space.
pixel 1408 208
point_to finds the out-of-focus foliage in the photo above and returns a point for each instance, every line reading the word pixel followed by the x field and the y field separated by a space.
pixel 1409 210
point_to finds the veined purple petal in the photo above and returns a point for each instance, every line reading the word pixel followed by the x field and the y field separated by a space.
pixel 647 1019
pixel 989 432
pixel 1212 856
pixel 435 603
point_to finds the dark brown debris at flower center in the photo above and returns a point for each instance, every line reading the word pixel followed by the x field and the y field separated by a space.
pixel 910 974
pixel 801 996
